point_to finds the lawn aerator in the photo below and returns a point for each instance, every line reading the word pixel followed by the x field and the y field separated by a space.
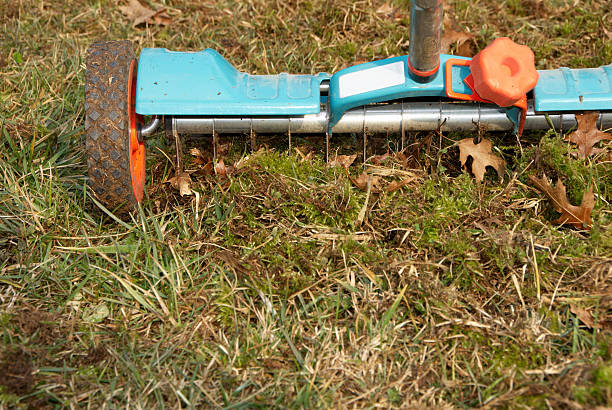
pixel 202 93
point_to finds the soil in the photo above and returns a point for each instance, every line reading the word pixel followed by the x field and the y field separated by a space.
pixel 34 322
pixel 95 355
pixel 16 371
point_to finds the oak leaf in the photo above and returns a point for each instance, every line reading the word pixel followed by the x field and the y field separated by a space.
pixel 198 156
pixel 140 14
pixel 379 159
pixel 344 161
pixel 395 185
pixel 203 161
pixel 481 157
pixel 223 170
pixel 466 44
pixel 386 9
pixel 577 216
pixel 182 182
pixel 585 316
pixel 361 182
pixel 586 134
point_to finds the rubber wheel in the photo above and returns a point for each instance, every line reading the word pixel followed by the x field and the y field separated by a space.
pixel 115 157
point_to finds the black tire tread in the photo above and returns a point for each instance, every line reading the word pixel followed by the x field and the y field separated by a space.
pixel 107 123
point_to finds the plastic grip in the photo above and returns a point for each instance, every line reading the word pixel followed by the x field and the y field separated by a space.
pixel 504 72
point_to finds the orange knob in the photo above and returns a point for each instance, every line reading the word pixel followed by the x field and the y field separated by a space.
pixel 504 71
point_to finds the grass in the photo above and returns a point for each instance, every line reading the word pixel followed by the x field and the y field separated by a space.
pixel 267 289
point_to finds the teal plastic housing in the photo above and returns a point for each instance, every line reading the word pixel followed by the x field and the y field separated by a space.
pixel 583 89
pixel 385 80
pixel 204 83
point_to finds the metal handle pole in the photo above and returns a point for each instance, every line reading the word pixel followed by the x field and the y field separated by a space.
pixel 425 34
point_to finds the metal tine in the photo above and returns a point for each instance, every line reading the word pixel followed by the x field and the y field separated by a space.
pixel 215 142
pixel 388 148
pixel 290 146
pixel 179 152
pixel 365 137
pixel 289 135
pixel 326 146
pixel 478 137
pixel 440 122
pixel 253 138
pixel 402 129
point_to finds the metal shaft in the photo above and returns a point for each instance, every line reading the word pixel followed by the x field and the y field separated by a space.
pixel 394 118
pixel 425 33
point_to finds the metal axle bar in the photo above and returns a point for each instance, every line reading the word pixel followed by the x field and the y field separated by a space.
pixel 393 118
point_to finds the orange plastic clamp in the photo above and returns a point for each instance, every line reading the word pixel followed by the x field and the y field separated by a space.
pixel 469 81
pixel 448 81
pixel 504 71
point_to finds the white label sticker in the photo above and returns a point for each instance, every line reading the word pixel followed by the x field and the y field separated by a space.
pixel 371 79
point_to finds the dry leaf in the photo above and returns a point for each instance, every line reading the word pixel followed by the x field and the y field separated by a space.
pixel 409 161
pixel 379 159
pixel 221 169
pixel 342 160
pixel 587 134
pixel 361 182
pixel 395 185
pixel 304 157
pixel 207 169
pixel 584 316
pixel 223 149
pixel 577 216
pixel 182 182
pixel 466 44
pixel 482 157
pixel 161 18
pixel 603 317
pixel 140 14
pixel 199 156
pixel 386 9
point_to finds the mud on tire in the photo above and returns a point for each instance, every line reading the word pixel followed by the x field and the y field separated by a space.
pixel 110 159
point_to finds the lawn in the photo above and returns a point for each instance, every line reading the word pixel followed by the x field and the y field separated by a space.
pixel 280 282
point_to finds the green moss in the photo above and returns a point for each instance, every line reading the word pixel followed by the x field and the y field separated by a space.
pixel 537 401
pixel 394 396
pixel 552 157
pixel 603 377
pixel 523 357
pixel 444 201
pixel 347 49
pixel 224 302
pixel 604 347
pixel 599 392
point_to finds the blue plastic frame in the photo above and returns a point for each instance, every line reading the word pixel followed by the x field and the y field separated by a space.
pixel 583 89
pixel 204 83
pixel 408 88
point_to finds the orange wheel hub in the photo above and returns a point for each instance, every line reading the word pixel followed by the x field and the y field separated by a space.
pixel 136 147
